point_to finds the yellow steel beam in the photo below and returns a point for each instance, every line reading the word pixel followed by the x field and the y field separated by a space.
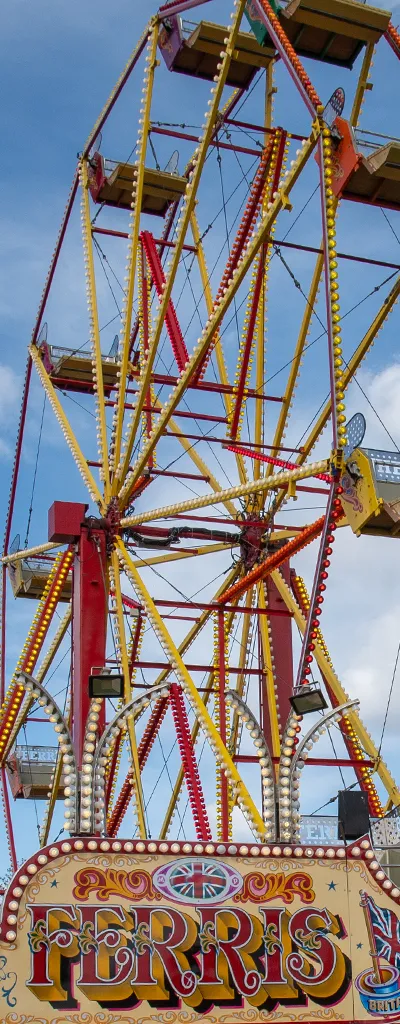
pixel 261 235
pixel 348 374
pixel 275 482
pixel 243 796
pixel 176 556
pixel 363 85
pixel 209 686
pixel 248 622
pixel 29 552
pixel 97 362
pixel 183 647
pixel 66 428
pixel 352 367
pixel 51 803
pixel 137 193
pixel 120 639
pixel 186 212
pixel 341 695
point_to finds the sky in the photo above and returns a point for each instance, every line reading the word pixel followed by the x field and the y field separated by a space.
pixel 57 69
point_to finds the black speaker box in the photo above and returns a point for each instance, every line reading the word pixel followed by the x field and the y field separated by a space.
pixel 353 814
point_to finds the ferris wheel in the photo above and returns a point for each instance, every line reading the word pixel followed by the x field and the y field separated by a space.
pixel 168 576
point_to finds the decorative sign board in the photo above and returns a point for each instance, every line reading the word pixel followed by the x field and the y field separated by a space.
pixel 108 931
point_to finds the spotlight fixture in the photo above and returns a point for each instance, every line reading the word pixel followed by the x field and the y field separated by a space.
pixel 307 699
pixel 103 683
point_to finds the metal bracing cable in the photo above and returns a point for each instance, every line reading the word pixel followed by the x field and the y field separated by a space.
pixel 30 510
pixel 389 699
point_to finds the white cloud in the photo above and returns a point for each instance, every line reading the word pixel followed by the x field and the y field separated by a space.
pixel 9 407
pixel 9 391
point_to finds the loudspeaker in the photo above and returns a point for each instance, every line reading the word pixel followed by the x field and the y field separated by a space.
pixel 353 814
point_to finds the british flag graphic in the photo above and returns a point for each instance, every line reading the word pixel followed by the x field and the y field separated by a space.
pixel 198 879
pixel 386 931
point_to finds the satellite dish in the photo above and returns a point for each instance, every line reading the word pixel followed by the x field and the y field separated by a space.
pixel 43 335
pixel 172 165
pixel 355 430
pixel 334 107
pixel 114 348
pixel 16 544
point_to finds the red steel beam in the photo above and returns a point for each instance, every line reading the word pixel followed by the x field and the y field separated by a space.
pixel 339 762
pixel 114 96
pixel 149 736
pixel 273 461
pixel 244 230
pixel 189 764
pixel 288 55
pixel 89 627
pixel 171 320
pixel 393 38
pixel 357 763
pixel 195 138
pixel 124 234
pixel 260 572
pixel 247 346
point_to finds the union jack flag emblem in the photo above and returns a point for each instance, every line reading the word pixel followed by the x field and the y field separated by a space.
pixel 386 931
pixel 198 879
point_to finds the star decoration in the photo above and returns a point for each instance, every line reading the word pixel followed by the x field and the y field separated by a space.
pixel 359 945
pixel 331 885
pixel 54 884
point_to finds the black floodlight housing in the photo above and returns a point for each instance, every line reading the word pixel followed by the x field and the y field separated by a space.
pixel 103 683
pixel 307 699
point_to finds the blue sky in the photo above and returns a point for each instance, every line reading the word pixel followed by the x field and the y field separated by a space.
pixel 58 66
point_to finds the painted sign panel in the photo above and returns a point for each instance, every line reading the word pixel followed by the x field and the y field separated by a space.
pixel 100 931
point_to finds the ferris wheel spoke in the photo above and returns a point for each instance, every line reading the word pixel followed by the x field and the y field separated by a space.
pixel 350 370
pixel 353 745
pixel 147 741
pixel 189 764
pixel 175 556
pixel 198 161
pixel 137 194
pixel 244 263
pixel 98 384
pixel 177 788
pixel 122 654
pixel 39 549
pixel 288 477
pixel 218 348
pixel 242 795
pixel 66 428
pixel 339 693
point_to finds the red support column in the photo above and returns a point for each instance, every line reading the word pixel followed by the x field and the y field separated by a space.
pixel 282 650
pixel 89 626
pixel 222 726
